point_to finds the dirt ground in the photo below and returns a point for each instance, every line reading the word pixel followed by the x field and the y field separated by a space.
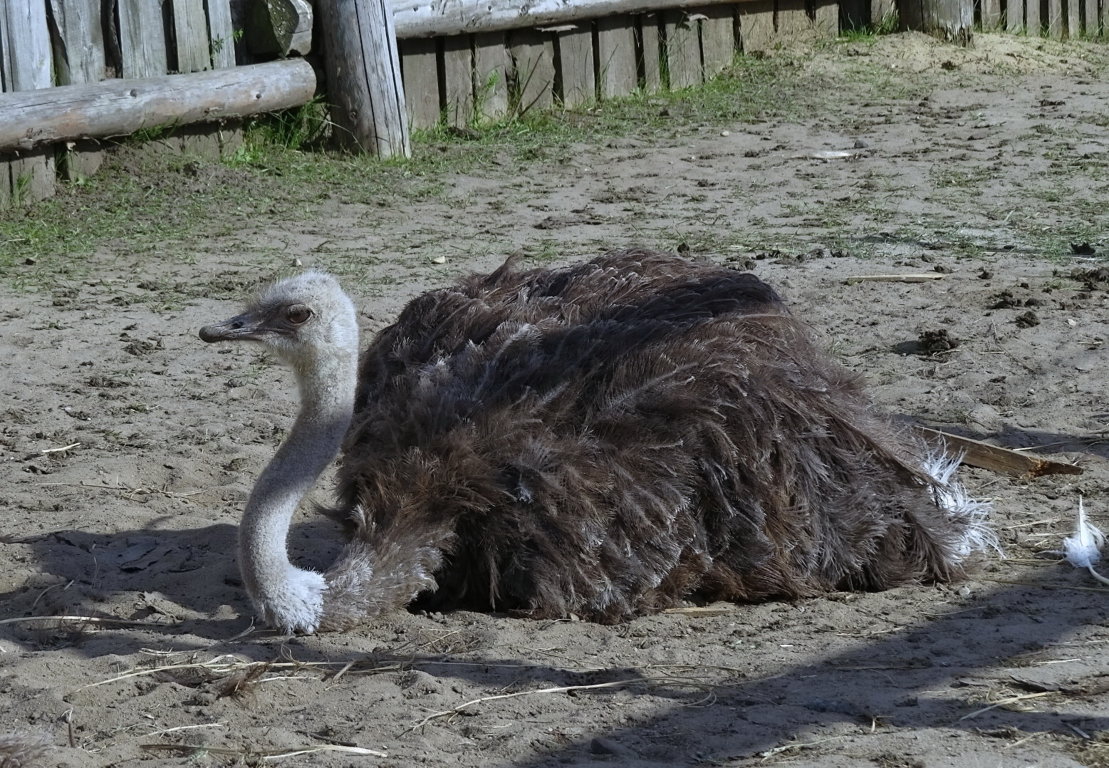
pixel 128 448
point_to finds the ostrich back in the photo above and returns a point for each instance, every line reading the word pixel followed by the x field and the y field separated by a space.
pixel 610 438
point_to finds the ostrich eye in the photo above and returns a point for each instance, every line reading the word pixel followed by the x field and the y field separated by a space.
pixel 298 315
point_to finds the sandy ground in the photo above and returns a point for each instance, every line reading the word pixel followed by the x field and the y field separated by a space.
pixel 128 448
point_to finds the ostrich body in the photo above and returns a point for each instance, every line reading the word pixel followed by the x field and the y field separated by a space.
pixel 606 439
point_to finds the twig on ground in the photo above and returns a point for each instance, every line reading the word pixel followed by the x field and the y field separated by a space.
pixel 1007 701
pixel 87 620
pixel 267 755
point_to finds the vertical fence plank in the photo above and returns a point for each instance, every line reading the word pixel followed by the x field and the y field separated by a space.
pixel 78 58
pixel 533 69
pixel 190 29
pixel 579 80
pixel 717 38
pixel 142 42
pixel 221 30
pixel 1074 18
pixel 1014 17
pixel 882 11
pixel 991 14
pixel 28 63
pixel 6 181
pixel 791 19
pixel 1055 22
pixel 756 25
pixel 490 75
pixel 1105 18
pixel 458 80
pixel 616 56
pixel 826 18
pixel 683 50
pixel 1032 21
pixel 421 82
pixel 1089 19
pixel 649 47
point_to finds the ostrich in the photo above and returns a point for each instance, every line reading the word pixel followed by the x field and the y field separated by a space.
pixel 606 439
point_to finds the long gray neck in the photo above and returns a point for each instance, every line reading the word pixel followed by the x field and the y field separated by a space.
pixel 326 404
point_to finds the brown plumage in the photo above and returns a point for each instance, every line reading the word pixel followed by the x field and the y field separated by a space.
pixel 612 438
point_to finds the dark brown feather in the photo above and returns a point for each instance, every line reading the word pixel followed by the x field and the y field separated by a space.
pixel 611 438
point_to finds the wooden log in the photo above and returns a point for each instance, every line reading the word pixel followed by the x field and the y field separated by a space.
pixel 421 82
pixel 121 107
pixel 491 65
pixel 142 42
pixel 363 76
pixel 756 26
pixel 280 27
pixel 616 57
pixel 717 38
pixel 950 20
pixel 683 50
pixel 436 18
pixel 78 58
pixel 649 46
pixel 458 80
pixel 25 42
pixel 533 70
pixel 991 14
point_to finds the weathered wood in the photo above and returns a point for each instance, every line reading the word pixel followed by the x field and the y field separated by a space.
pixel 421 82
pixel 790 18
pixel 121 107
pixel 190 33
pixel 717 38
pixel 280 27
pixel 575 54
pixel 882 10
pixel 616 57
pixel 1105 18
pixel 78 58
pixel 1074 19
pixel 533 69
pixel 756 26
pixel 142 41
pixel 363 76
pixel 1014 17
pixel 991 14
pixel 1032 23
pixel 28 63
pixel 436 18
pixel 6 160
pixel 826 18
pixel 650 50
pixel 491 64
pixel 458 80
pixel 683 50
pixel 950 20
pixel 1055 22
pixel 996 459
pixel 1090 21
pixel 222 32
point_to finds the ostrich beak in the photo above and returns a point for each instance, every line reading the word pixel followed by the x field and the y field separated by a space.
pixel 248 326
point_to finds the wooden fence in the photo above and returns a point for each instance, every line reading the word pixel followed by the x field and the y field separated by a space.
pixel 462 60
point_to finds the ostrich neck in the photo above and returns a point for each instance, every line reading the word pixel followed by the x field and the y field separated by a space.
pixel 326 404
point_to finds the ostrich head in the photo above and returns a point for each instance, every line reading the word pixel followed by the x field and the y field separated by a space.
pixel 303 320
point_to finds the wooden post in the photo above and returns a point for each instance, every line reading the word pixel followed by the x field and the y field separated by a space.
pixel 616 56
pixel 78 58
pixel 25 61
pixel 951 20
pixel 421 82
pixel 363 76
